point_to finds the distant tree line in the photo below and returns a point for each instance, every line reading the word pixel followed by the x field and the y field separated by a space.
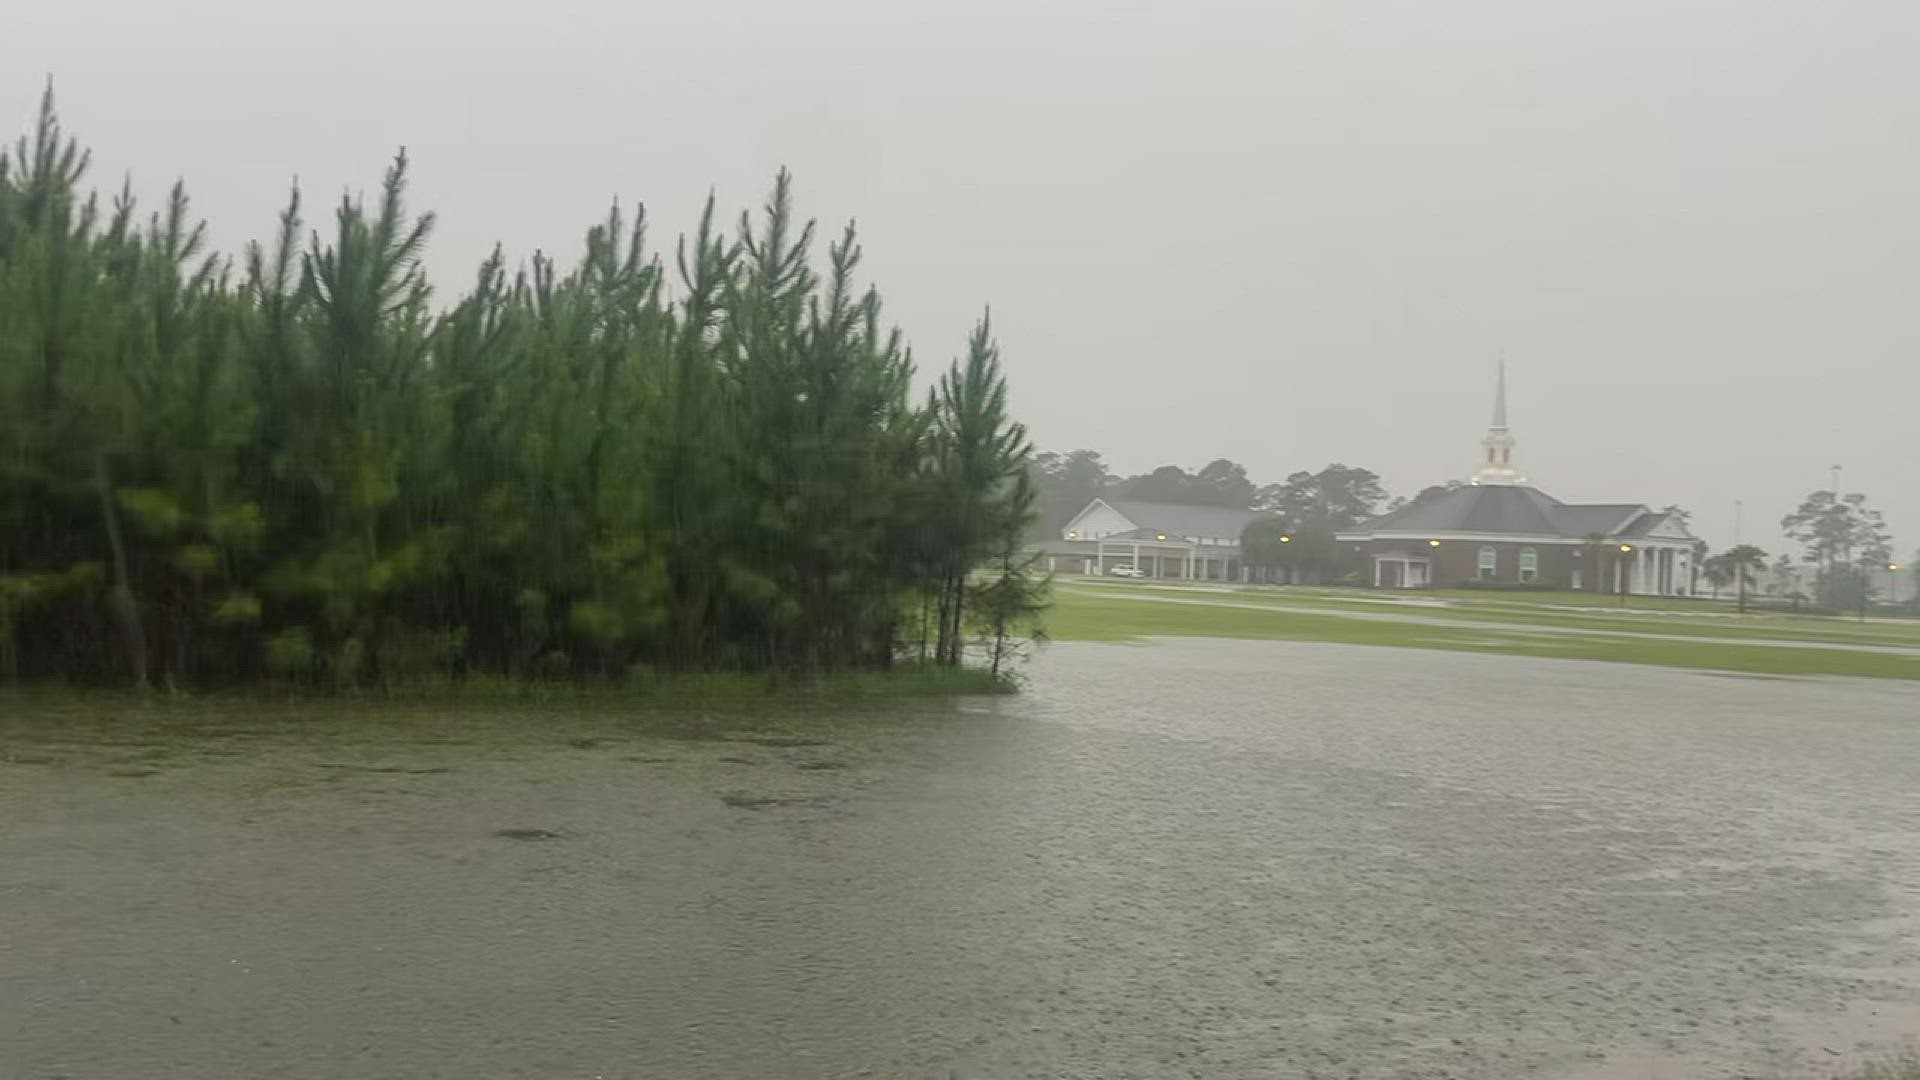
pixel 1308 507
pixel 299 465
pixel 1846 557
pixel 1843 540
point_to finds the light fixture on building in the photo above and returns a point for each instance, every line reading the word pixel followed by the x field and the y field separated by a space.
pixel 1433 543
pixel 1159 536
pixel 1626 547
pixel 1285 538
pixel 1072 535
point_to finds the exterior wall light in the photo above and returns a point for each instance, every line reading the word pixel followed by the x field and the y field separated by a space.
pixel 1433 543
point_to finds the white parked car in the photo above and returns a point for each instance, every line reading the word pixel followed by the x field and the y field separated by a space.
pixel 1127 571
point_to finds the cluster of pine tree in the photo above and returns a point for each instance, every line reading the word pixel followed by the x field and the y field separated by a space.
pixel 301 467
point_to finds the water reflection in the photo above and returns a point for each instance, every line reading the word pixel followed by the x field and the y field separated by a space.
pixel 1215 859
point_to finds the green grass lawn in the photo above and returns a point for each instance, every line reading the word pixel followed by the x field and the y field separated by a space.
pixel 1082 613
pixel 1695 620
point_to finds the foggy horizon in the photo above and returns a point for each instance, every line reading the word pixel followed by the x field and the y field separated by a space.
pixel 1283 237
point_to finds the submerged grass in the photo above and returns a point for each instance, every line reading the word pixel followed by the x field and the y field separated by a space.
pixel 400 730
pixel 700 688
pixel 651 689
pixel 1096 615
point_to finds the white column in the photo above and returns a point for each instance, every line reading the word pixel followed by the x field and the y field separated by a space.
pixel 1376 571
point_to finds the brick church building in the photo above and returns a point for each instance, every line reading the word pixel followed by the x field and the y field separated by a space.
pixel 1500 529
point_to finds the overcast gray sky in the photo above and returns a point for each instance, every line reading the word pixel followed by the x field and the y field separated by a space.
pixel 1285 233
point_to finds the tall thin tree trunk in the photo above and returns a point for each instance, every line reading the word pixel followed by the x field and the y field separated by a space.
pixel 951 608
pixel 943 617
pixel 126 610
pixel 956 639
pixel 926 620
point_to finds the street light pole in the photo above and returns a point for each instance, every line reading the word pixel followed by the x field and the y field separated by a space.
pixel 1620 568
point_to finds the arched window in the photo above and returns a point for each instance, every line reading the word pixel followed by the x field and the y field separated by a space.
pixel 1529 564
pixel 1489 561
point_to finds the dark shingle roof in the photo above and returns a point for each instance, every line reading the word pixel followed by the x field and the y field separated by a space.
pixel 1064 547
pixel 1179 519
pixel 1603 518
pixel 1488 508
pixel 1512 509
pixel 1643 524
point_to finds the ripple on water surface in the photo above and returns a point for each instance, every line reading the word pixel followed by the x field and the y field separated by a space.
pixel 1214 859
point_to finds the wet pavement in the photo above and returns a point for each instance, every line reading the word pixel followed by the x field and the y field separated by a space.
pixel 1186 859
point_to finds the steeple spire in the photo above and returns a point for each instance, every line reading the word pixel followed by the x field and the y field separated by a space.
pixel 1496 449
pixel 1500 399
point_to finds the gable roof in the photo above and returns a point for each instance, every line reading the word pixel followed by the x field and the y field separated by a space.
pixel 1153 536
pixel 1180 519
pixel 1652 522
pixel 1174 519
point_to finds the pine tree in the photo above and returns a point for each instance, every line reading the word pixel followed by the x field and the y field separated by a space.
pixel 303 471
pixel 981 452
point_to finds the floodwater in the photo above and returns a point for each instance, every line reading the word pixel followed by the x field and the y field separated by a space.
pixel 1187 859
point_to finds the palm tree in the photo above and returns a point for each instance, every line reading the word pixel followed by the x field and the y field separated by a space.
pixel 1785 575
pixel 1741 563
pixel 1717 571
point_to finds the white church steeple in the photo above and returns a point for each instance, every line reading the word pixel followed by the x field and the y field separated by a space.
pixel 1496 450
